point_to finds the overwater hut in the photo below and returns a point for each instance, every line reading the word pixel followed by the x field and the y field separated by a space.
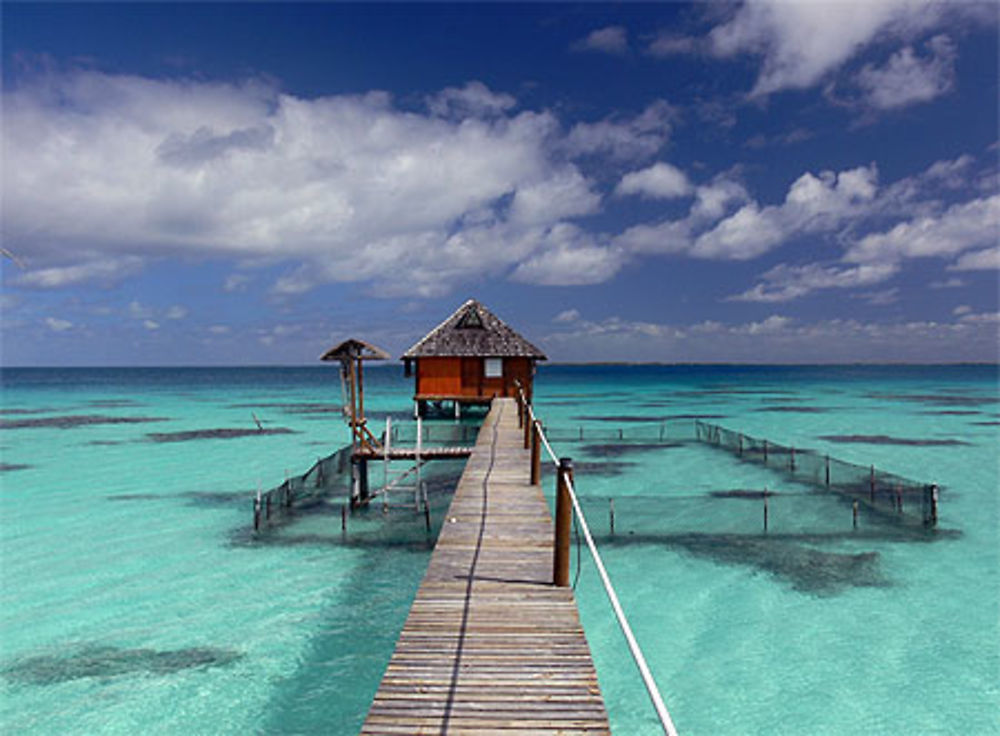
pixel 469 358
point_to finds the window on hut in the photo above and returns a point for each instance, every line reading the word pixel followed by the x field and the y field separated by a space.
pixel 493 367
pixel 471 320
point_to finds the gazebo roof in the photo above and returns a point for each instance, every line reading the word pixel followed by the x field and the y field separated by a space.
pixel 355 349
pixel 473 330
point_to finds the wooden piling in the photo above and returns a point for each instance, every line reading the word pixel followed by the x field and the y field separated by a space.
pixel 527 426
pixel 765 452
pixel 855 512
pixel 765 510
pixel 536 454
pixel 563 522
pixel 871 484
pixel 343 517
pixel 827 471
pixel 611 515
pixel 791 459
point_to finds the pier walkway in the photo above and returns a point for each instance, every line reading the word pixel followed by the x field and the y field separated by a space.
pixel 490 645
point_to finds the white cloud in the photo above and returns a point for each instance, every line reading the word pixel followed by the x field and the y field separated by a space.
pixel 747 233
pixel 801 43
pixel 176 312
pixel 151 324
pixel 100 269
pixel 609 40
pixel 784 283
pixel 570 257
pixel 961 227
pixel 58 325
pixel 220 329
pixel 907 79
pixel 236 282
pixel 671 44
pixel 961 309
pixel 980 260
pixel 952 283
pixel 475 99
pixel 622 139
pixel 138 311
pixel 659 181
pixel 567 315
pixel 104 172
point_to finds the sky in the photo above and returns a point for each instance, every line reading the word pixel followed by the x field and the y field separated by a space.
pixel 759 181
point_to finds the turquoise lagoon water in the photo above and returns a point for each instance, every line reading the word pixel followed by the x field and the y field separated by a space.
pixel 135 599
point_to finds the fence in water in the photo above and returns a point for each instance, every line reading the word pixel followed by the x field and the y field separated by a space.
pixel 329 476
pixel 880 491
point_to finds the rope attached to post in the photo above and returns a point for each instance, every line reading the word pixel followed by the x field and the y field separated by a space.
pixel 640 660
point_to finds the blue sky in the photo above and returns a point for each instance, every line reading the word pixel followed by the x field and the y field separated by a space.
pixel 251 183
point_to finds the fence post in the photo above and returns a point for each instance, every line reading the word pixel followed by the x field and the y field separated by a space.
pixel 934 505
pixel 791 459
pixel 827 471
pixel 564 512
pixel 528 419
pixel 871 484
pixel 611 514
pixel 536 454
pixel 765 509
pixel 741 444
pixel 765 452
pixel 855 509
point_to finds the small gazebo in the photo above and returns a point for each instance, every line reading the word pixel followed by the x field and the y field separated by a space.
pixel 469 358
pixel 351 354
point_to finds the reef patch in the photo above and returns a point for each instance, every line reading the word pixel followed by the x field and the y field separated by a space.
pixel 215 434
pixel 105 661
pixel 73 421
pixel 881 439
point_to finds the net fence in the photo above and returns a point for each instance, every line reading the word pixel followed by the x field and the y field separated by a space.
pixel 329 476
pixel 881 491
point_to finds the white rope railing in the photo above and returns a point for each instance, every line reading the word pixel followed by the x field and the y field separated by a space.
pixel 647 677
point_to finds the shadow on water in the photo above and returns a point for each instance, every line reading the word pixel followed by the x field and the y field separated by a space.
pixel 107 661
pixel 603 469
pixel 193 498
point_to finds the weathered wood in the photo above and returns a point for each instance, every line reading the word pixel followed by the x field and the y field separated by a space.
pixel 490 645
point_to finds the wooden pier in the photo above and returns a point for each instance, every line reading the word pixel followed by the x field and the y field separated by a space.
pixel 490 644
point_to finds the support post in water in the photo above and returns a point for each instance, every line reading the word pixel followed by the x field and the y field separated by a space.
pixel 827 471
pixel 740 444
pixel 934 505
pixel 791 459
pixel 343 517
pixel 528 420
pixel 564 518
pixel 899 498
pixel 256 511
pixel 855 512
pixel 871 484
pixel 611 515
pixel 536 454
pixel 765 509
pixel 427 507
pixel 765 452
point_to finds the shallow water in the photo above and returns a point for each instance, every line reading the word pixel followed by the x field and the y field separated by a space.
pixel 134 596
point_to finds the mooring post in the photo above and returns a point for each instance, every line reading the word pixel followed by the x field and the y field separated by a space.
pixel 528 419
pixel 536 454
pixel 855 511
pixel 564 518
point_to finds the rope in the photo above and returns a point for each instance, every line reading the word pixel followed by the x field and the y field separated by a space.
pixel 647 677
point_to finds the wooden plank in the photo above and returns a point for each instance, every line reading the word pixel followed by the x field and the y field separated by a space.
pixel 490 646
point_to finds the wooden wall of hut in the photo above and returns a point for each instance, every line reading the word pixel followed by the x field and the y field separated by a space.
pixel 457 378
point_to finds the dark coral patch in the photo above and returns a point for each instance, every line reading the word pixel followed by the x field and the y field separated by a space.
pixel 104 661
pixel 7 467
pixel 626 449
pixel 739 493
pixel 881 439
pixel 71 422
pixel 215 434
pixel 794 409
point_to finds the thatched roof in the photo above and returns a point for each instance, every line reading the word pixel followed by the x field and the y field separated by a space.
pixel 473 330
pixel 349 349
